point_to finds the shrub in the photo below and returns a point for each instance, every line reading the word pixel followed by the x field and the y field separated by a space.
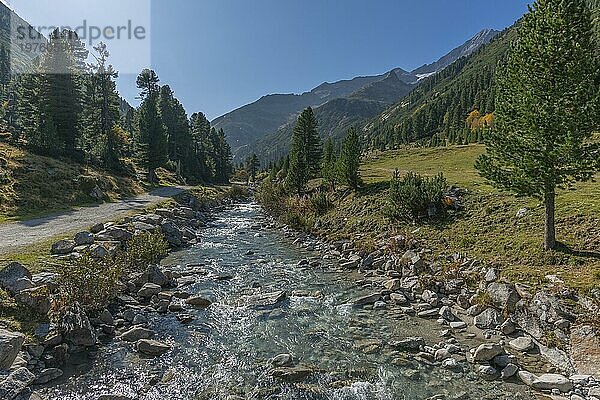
pixel 272 196
pixel 320 203
pixel 414 197
pixel 88 281
pixel 142 250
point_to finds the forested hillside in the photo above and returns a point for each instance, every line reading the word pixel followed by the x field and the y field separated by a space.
pixel 453 106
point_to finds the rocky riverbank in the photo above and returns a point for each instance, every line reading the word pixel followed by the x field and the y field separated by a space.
pixel 544 339
pixel 30 361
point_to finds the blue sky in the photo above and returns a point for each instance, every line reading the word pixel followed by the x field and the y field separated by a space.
pixel 220 54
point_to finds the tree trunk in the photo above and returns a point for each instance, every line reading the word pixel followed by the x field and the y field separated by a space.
pixel 550 230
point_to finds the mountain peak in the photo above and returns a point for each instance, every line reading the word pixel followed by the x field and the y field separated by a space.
pixel 470 46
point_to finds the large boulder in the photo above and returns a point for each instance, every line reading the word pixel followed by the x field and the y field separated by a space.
pixel 487 351
pixel 76 327
pixel 83 238
pixel 37 299
pixel 152 348
pixel 489 319
pixel 552 381
pixel 15 383
pixel 503 295
pixel 15 277
pixel 173 235
pixel 198 302
pixel 63 247
pixel 149 290
pixel 136 333
pixel 10 345
pixel 266 300
pixel 154 274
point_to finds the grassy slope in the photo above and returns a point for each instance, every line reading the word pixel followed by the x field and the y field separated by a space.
pixel 32 186
pixel 487 229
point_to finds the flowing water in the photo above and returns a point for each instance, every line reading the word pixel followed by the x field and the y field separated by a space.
pixel 224 353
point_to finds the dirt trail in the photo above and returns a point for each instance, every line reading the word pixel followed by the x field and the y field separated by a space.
pixel 14 235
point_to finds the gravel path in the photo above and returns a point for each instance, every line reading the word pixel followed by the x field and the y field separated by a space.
pixel 24 233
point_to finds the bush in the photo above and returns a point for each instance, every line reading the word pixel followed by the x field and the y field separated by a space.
pixel 142 250
pixel 88 281
pixel 414 197
pixel 272 196
pixel 320 203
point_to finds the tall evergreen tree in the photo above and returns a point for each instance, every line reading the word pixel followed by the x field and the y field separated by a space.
pixel 176 121
pixel 546 106
pixel 61 98
pixel 200 130
pixel 252 166
pixel 152 131
pixel 305 152
pixel 329 161
pixel 349 161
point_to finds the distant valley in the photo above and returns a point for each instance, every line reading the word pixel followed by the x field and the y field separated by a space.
pixel 264 127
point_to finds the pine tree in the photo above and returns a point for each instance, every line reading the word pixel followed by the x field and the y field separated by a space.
pixel 61 98
pixel 179 137
pixel 252 166
pixel 349 161
pixel 152 131
pixel 200 130
pixel 329 161
pixel 103 111
pixel 305 152
pixel 546 106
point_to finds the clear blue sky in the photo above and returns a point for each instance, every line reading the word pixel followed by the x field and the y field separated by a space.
pixel 220 54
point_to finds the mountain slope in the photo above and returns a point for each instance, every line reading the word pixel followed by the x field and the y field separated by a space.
pixel 246 124
pixel 264 127
pixel 466 49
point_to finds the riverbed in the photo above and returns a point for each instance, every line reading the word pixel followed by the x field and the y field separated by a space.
pixel 225 352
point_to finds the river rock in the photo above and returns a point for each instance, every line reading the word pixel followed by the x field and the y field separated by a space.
pixel 458 325
pixel 441 354
pixel 83 238
pixel 63 247
pixel 76 327
pixel 15 277
pixel 551 382
pixel 47 375
pixel 37 299
pixel 154 274
pixel 491 275
pixel 136 333
pixel 487 351
pixel 114 397
pixel 487 372
pixel 152 348
pixel 98 251
pixel 15 383
pixel 106 317
pixel 292 374
pixel 430 297
pixel 409 344
pixel 446 313
pixel 489 319
pixel 173 235
pixel 198 302
pixel 504 296
pixel 398 298
pixel 522 344
pixel 452 365
pixel 143 227
pixel 509 371
pixel 149 290
pixel 282 360
pixel 393 284
pixel 266 300
pixel 10 345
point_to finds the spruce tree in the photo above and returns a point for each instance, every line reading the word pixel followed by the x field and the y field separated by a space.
pixel 61 98
pixel 200 131
pixel 305 152
pixel 349 161
pixel 546 107
pixel 152 132
pixel 328 171
pixel 252 166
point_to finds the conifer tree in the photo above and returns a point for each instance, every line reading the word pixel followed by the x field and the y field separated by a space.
pixel 61 98
pixel 252 166
pixel 546 107
pixel 152 131
pixel 349 160
pixel 329 161
pixel 305 152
